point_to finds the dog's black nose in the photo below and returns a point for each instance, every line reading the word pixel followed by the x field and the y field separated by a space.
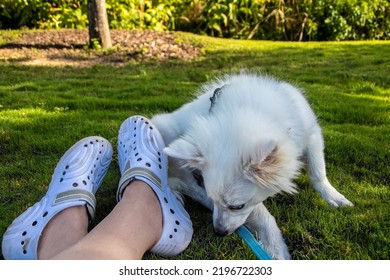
pixel 221 232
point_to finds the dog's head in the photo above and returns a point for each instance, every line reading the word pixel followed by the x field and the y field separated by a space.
pixel 240 167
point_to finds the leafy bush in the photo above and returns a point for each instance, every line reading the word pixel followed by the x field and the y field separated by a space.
pixel 258 19
pixel 291 19
pixel 352 19
pixel 43 14
pixel 130 14
pixel 17 13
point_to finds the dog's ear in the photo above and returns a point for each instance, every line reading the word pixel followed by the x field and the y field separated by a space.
pixel 262 165
pixel 186 151
pixel 266 151
pixel 273 167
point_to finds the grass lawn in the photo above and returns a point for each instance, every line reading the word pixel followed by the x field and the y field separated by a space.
pixel 44 110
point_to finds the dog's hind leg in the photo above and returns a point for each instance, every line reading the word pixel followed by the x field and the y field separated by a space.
pixel 317 172
pixel 264 226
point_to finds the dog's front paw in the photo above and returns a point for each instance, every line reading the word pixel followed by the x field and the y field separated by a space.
pixel 263 225
pixel 334 198
pixel 273 242
pixel 277 250
pixel 339 200
pixel 330 194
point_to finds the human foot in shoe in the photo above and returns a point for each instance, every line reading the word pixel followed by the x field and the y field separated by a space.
pixel 140 156
pixel 76 179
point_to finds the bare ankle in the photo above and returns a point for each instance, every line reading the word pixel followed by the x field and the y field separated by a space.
pixel 140 192
pixel 65 229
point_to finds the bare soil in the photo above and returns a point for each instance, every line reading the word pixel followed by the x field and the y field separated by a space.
pixel 70 47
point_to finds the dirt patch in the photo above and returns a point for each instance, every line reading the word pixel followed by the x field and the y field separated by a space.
pixel 69 47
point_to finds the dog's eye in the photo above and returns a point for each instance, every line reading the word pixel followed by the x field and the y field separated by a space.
pixel 236 207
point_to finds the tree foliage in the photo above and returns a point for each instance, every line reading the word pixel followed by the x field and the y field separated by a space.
pixel 294 20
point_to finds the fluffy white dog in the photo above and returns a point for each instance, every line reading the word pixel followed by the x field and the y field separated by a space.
pixel 247 135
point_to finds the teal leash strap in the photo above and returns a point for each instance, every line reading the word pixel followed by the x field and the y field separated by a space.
pixel 251 241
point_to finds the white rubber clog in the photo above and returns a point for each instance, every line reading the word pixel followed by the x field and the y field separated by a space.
pixel 76 179
pixel 140 156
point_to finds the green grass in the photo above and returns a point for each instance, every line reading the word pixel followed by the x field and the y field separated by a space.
pixel 44 110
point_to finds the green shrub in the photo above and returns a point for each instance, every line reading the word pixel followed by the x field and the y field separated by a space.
pixel 293 20
pixel 17 13
pixel 132 14
pixel 351 19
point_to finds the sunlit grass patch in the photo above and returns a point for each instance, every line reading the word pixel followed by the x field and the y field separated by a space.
pixel 44 110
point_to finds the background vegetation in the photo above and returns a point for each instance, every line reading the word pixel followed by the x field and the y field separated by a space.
pixel 294 20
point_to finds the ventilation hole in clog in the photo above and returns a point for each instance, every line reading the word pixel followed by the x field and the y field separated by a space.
pixel 34 223
pixel 67 167
pixel 136 154
pixel 97 140
pixel 24 252
pixel 84 182
pixel 97 158
pixel 64 173
pixel 135 135
pixel 45 214
pixel 100 152
pixel 135 148
pixel 24 233
pixel 139 159
pixel 159 153
pixel 85 145
pixel 102 146
pixel 150 127
pixel 22 243
pixel 160 166
pixel 94 166
pixel 148 164
pixel 91 142
pixel 89 178
pixel 159 159
pixel 166 200
pixel 175 229
pixel 62 179
pixel 173 212
pixel 75 185
pixel 177 222
pixel 91 171
pixel 134 142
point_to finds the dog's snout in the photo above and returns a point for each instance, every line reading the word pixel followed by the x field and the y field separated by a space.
pixel 221 232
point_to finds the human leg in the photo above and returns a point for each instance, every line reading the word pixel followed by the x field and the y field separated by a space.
pixel 74 183
pixel 147 216
pixel 141 157
pixel 63 230
pixel 133 227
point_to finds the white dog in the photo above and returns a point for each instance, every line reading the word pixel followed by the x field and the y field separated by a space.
pixel 247 135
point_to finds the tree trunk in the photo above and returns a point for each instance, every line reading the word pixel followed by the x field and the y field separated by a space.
pixel 98 24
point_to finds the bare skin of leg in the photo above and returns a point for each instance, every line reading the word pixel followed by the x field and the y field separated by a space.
pixel 132 228
pixel 64 230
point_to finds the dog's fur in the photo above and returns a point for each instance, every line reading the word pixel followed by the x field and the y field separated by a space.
pixel 249 144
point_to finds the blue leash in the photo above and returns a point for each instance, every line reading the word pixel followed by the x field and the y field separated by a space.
pixel 251 241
